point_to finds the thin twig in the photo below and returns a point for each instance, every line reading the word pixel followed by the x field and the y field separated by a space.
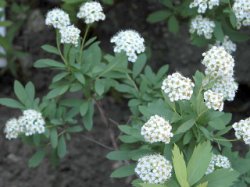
pixel 97 142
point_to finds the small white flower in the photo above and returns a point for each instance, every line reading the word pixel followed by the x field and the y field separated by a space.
pixel 12 129
pixel 91 12
pixel 227 87
pixel 31 122
pixel 70 35
pixel 218 62
pixel 130 42
pixel 57 18
pixel 202 26
pixel 241 10
pixel 157 129
pixel 154 169
pixel 242 130
pixel 203 5
pixel 214 100
pixel 218 161
pixel 228 45
pixel 178 87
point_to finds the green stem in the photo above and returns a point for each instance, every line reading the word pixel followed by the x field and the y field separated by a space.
pixel 59 49
pixel 225 140
pixel 133 82
pixel 83 42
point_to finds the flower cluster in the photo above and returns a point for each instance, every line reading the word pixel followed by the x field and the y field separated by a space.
pixel 214 100
pixel 91 12
pixel 218 161
pixel 218 62
pixel 57 18
pixel 157 129
pixel 242 130
pixel 220 68
pixel 228 45
pixel 177 87
pixel 204 4
pixel 202 26
pixel 31 122
pixel 227 87
pixel 70 35
pixel 153 169
pixel 130 42
pixel 241 10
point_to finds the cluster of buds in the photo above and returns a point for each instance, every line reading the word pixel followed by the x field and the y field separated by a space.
pixel 30 123
pixel 242 130
pixel 203 5
pixel 241 10
pixel 214 100
pixel 218 161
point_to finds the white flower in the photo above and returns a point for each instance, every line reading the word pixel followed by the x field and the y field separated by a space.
pixel 70 35
pixel 157 129
pixel 218 161
pixel 202 26
pixel 241 10
pixel 227 87
pixel 57 18
pixel 12 129
pixel 130 42
pixel 91 12
pixel 242 130
pixel 214 100
pixel 31 122
pixel 228 45
pixel 218 63
pixel 153 169
pixel 204 4
pixel 178 87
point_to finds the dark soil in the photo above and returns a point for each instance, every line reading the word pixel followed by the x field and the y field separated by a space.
pixel 86 165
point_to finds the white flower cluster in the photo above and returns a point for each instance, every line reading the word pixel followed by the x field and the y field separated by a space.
pixel 91 12
pixel 153 169
pixel 70 35
pixel 204 4
pixel 31 122
pixel 218 161
pixel 242 130
pixel 157 129
pixel 130 42
pixel 57 18
pixel 241 9
pixel 214 100
pixel 202 26
pixel 12 129
pixel 228 45
pixel 218 63
pixel 178 87
pixel 220 68
pixel 227 87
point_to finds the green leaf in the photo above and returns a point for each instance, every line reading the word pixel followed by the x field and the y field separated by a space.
pixel 57 91
pixel 59 76
pixel 30 90
pixel 99 86
pixel 76 128
pixel 138 66
pixel 233 19
pixel 153 185
pixel 123 171
pixel 36 159
pixel 221 178
pixel 61 148
pixel 173 24
pixel 50 49
pixel 79 76
pixel 218 32
pixel 118 155
pixel 84 108
pixel 11 103
pixel 20 92
pixel 185 126
pixel 53 137
pixel 44 63
pixel 157 16
pixel 203 184
pixel 88 118
pixel 199 162
pixel 180 167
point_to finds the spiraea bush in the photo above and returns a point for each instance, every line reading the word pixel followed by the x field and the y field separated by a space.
pixel 176 135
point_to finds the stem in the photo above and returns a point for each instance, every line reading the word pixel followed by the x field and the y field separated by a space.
pixel 97 142
pixel 59 49
pixel 133 82
pixel 83 41
pixel 225 140
pixel 105 120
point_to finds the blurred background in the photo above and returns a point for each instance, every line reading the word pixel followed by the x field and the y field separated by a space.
pixel 85 164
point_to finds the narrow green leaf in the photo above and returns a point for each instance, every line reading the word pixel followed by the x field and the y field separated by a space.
pixel 53 137
pixel 88 118
pixel 50 49
pixel 99 86
pixel 74 129
pixel 173 24
pixel 233 19
pixel 30 91
pixel 118 155
pixel 185 126
pixel 20 92
pixel 79 76
pixel 45 63
pixel 218 32
pixel 57 91
pixel 138 66
pixel 157 16
pixel 11 103
pixel 180 167
pixel 36 159
pixel 61 148
pixel 123 171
